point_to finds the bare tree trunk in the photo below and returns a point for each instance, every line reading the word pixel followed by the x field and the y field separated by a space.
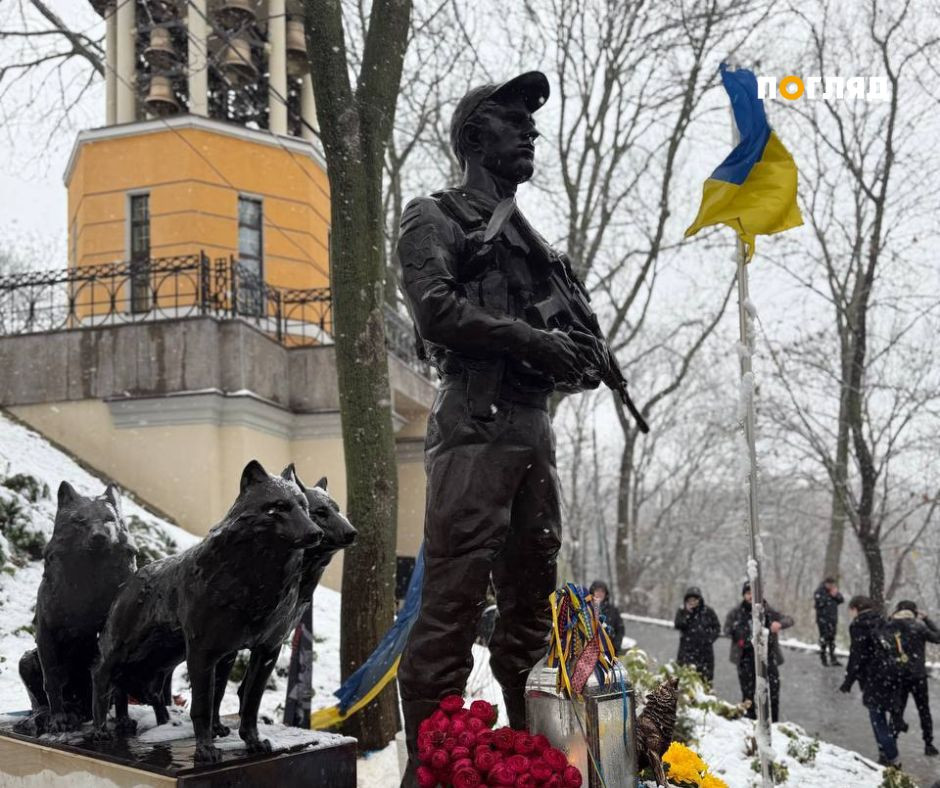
pixel 840 477
pixel 624 520
pixel 871 549
pixel 396 202
pixel 355 128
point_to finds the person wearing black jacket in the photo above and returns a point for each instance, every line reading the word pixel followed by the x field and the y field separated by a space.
pixel 608 613
pixel 700 628
pixel 738 628
pixel 826 600
pixel 915 630
pixel 873 667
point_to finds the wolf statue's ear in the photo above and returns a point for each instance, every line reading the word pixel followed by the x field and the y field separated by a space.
pixel 290 474
pixel 322 483
pixel 67 494
pixel 253 474
pixel 113 497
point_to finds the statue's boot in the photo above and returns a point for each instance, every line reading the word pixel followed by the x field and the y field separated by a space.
pixel 414 712
pixel 514 698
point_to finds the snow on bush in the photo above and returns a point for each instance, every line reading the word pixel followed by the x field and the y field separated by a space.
pixel 726 740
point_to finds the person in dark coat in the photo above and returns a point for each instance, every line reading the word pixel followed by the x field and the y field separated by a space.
pixel 914 630
pixel 738 628
pixel 608 613
pixel 700 628
pixel 826 601
pixel 871 665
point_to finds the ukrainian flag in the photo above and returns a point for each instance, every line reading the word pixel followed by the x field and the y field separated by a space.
pixel 362 687
pixel 753 191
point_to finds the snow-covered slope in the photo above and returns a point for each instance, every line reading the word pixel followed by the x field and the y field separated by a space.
pixel 31 470
pixel 27 512
pixel 34 468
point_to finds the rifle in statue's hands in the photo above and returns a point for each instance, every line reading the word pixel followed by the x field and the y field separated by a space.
pixel 567 308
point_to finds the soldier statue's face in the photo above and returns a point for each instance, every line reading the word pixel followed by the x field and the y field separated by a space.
pixel 506 141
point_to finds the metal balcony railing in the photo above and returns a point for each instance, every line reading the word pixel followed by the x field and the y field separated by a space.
pixel 171 288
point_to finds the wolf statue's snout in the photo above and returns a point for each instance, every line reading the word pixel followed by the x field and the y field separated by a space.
pixel 312 534
pixel 100 539
pixel 349 536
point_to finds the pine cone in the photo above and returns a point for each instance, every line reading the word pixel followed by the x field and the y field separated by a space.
pixel 655 727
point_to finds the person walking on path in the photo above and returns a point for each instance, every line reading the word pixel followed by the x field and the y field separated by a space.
pixel 826 601
pixel 700 628
pixel 874 668
pixel 738 628
pixel 608 613
pixel 914 630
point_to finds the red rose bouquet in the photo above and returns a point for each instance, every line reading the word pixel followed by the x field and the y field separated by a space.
pixel 458 747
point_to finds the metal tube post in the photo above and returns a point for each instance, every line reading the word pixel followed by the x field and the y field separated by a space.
pixel 126 59
pixel 198 65
pixel 277 66
pixel 761 686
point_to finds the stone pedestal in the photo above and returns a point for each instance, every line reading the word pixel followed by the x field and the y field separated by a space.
pixel 163 756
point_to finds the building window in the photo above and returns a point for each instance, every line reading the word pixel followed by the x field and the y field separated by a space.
pixel 140 252
pixel 250 256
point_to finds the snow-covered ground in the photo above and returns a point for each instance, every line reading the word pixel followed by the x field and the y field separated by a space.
pixel 722 743
pixel 23 451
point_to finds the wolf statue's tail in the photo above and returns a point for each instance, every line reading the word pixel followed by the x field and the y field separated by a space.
pixel 380 668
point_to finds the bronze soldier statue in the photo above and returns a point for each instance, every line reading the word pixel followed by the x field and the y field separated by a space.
pixel 506 324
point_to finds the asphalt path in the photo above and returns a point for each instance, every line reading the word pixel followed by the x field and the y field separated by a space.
pixel 810 697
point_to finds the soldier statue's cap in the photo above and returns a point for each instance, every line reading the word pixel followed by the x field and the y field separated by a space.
pixel 531 87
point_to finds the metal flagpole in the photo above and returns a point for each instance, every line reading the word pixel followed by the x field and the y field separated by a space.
pixel 759 633
pixel 755 553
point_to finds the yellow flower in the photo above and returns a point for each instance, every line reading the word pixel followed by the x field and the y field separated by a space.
pixel 684 764
pixel 710 781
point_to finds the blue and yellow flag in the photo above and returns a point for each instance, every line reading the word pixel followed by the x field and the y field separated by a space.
pixel 362 687
pixel 753 191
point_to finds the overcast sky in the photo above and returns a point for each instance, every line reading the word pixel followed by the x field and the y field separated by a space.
pixel 34 153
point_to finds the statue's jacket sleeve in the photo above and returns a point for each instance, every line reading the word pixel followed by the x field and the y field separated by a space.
pixel 430 248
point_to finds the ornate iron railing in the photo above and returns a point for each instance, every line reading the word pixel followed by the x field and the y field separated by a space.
pixel 171 288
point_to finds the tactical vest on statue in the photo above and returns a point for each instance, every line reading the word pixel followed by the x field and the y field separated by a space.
pixel 507 281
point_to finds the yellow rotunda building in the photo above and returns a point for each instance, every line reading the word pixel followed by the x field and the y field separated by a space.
pixel 191 330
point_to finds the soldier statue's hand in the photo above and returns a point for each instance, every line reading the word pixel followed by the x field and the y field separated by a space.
pixel 593 353
pixel 555 353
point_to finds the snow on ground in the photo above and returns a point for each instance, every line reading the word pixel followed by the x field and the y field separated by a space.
pixel 662 622
pixel 379 769
pixel 180 726
pixel 722 742
pixel 17 598
pixel 23 451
